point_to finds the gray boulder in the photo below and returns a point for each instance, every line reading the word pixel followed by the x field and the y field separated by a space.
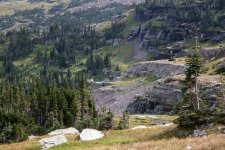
pixel 70 130
pixel 159 122
pixel 31 137
pixel 111 73
pixel 52 141
pixel 220 66
pixel 116 42
pixel 199 133
pixel 134 33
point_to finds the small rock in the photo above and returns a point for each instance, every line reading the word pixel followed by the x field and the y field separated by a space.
pixel 70 130
pixel 188 147
pixel 141 117
pixel 31 137
pixel 90 134
pixel 159 122
pixel 116 42
pixel 154 117
pixel 52 141
pixel 139 127
pixel 220 127
pixel 199 133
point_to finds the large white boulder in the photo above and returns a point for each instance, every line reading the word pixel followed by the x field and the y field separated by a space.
pixel 52 141
pixel 71 130
pixel 90 134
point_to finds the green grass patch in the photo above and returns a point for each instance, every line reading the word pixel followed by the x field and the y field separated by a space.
pixel 115 137
pixel 129 23
pixel 150 78
pixel 121 54
pixel 34 147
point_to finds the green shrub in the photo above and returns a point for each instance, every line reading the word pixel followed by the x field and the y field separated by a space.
pixel 124 122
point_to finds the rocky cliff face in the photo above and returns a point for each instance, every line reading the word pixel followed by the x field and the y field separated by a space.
pixel 116 98
pixel 164 94
pixel 213 53
pixel 156 68
pixel 158 97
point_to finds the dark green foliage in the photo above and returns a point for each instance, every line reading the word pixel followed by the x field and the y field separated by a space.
pixel 190 110
pixel 203 14
pixel 196 118
pixel 45 107
pixel 113 32
pixel 104 120
pixel 96 63
pixel 13 126
pixel 20 44
pixel 43 104
pixel 194 112
pixel 124 121
pixel 194 65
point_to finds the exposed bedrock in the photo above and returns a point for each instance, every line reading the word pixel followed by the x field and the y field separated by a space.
pixel 157 68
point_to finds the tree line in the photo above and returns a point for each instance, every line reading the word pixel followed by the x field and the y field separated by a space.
pixel 37 108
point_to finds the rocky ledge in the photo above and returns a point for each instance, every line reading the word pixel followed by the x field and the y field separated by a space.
pixel 164 94
pixel 161 68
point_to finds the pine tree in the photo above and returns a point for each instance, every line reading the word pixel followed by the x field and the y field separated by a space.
pixel 192 111
pixel 194 65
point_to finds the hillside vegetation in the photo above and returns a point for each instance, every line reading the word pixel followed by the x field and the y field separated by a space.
pixel 113 65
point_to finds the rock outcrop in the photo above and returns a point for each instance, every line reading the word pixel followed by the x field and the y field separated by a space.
pixel 90 134
pixel 52 141
pixel 164 94
pixel 116 98
pixel 134 33
pixel 111 73
pixel 213 53
pixel 199 133
pixel 158 98
pixel 156 68
pixel 71 130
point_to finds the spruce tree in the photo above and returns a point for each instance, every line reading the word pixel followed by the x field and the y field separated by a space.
pixel 192 111
pixel 194 64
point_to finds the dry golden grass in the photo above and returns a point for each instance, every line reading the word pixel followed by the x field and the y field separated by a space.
pixel 212 142
pixel 21 145
pixel 158 138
